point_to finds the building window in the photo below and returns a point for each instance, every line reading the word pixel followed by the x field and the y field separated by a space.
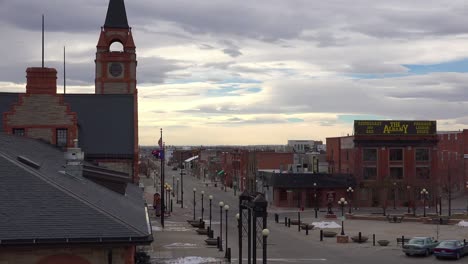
pixel 347 154
pixel 422 154
pixel 370 173
pixel 423 173
pixel 18 132
pixel 396 154
pixel 396 173
pixel 62 137
pixel 369 154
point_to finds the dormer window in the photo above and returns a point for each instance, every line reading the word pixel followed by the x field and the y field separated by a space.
pixel 18 132
pixel 62 137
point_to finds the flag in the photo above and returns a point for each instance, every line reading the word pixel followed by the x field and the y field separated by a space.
pixel 160 142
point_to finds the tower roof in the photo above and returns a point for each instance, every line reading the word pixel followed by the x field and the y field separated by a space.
pixel 116 16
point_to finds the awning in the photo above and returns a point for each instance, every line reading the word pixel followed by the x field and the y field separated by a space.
pixel 191 159
pixel 220 172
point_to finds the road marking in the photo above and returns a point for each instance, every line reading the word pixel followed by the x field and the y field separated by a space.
pixel 284 260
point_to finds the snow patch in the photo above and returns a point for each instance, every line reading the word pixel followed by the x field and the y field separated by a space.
pixel 463 223
pixel 325 224
pixel 192 260
pixel 181 245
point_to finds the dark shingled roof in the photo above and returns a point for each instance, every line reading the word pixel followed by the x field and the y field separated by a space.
pixel 116 16
pixel 48 204
pixel 6 102
pixel 103 120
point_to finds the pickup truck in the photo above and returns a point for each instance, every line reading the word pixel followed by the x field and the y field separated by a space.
pixel 420 246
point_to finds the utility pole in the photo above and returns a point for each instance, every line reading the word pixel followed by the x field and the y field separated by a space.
pixel 449 191
pixel 162 180
pixel 181 182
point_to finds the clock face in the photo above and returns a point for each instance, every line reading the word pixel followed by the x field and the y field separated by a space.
pixel 115 69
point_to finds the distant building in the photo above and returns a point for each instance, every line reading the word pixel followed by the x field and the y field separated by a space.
pixel 304 146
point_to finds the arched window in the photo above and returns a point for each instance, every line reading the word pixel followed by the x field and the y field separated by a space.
pixel 116 46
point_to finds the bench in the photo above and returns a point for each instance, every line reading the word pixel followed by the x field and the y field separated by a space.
pixel 400 241
pixel 395 218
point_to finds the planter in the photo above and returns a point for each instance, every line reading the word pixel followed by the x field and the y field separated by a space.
pixel 211 241
pixel 383 243
pixel 202 231
pixel 356 239
pixel 329 233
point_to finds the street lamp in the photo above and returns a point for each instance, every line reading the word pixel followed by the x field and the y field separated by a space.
pixel 315 199
pixel 408 193
pixel 177 191
pixel 342 202
pixel 394 195
pixel 350 192
pixel 239 233
pixel 202 204
pixel 226 209
pixel 424 194
pixel 194 202
pixel 265 233
pixel 221 204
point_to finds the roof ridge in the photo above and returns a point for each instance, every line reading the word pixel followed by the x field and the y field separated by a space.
pixel 69 192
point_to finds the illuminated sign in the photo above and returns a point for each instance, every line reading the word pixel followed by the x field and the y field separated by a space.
pixel 394 127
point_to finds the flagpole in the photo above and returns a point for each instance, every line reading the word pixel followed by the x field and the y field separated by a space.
pixel 162 182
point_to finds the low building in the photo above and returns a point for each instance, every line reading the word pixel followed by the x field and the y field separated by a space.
pixel 56 208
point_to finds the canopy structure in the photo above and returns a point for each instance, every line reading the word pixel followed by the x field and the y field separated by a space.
pixel 191 159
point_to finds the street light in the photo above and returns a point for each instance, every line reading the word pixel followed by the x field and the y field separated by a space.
pixel 265 234
pixel 350 192
pixel 342 202
pixel 408 193
pixel 226 209
pixel 394 195
pixel 221 204
pixel 177 191
pixel 239 233
pixel 202 207
pixel 315 200
pixel 194 202
pixel 424 194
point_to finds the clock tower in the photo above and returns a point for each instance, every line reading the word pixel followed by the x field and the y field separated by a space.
pixel 116 68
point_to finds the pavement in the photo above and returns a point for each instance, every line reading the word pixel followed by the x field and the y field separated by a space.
pixel 179 243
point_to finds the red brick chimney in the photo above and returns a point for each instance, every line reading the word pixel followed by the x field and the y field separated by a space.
pixel 41 80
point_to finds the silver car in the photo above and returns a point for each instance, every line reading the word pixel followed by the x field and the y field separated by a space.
pixel 420 246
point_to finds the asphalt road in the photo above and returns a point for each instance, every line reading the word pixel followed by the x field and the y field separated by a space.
pixel 286 245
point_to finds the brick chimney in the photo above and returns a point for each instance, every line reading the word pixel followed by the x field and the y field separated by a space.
pixel 41 80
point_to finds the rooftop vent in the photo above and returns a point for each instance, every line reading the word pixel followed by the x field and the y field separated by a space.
pixel 28 162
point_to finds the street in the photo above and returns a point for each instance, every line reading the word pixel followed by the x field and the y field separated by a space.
pixel 288 245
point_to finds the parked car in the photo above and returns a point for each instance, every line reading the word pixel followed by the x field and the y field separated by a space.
pixel 420 246
pixel 451 249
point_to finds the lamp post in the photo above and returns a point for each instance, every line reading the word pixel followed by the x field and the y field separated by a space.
pixel 221 204
pixel 226 209
pixel 265 233
pixel 202 208
pixel 210 198
pixel 177 191
pixel 194 202
pixel 394 195
pixel 424 194
pixel 350 192
pixel 239 234
pixel 342 202
pixel 408 193
pixel 315 200
pixel 173 184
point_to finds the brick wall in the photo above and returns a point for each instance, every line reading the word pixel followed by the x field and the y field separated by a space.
pixel 75 255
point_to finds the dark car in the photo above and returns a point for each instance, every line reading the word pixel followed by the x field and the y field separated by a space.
pixel 451 249
pixel 420 246
pixel 174 168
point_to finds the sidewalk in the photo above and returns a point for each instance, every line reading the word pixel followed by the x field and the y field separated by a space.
pixel 178 242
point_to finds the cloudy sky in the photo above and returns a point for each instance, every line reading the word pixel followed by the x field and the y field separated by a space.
pixel 260 72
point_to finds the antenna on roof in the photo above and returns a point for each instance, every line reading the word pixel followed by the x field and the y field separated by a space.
pixel 64 73
pixel 42 40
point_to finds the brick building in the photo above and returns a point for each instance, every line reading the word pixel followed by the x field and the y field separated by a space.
pixel 106 123
pixel 391 161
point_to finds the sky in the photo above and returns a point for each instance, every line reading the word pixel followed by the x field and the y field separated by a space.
pixel 228 72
